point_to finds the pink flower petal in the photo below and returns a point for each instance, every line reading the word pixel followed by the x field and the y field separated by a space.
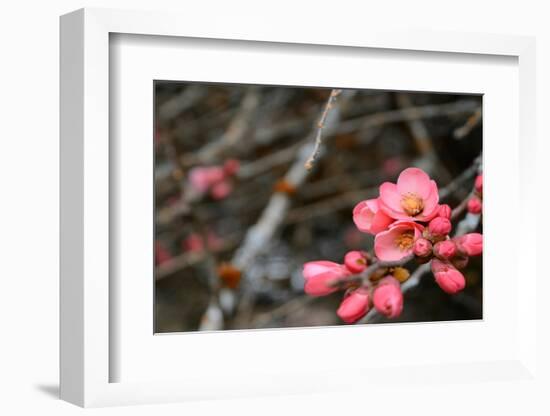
pixel 390 201
pixel 414 181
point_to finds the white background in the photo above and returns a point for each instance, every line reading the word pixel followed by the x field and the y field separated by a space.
pixel 29 184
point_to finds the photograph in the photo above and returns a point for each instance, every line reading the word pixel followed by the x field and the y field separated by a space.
pixel 300 206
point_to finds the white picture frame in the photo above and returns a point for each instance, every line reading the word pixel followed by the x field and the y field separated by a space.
pixel 87 356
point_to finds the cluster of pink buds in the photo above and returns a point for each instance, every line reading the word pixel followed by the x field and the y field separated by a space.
pixel 475 205
pixel 325 277
pixel 214 180
pixel 408 223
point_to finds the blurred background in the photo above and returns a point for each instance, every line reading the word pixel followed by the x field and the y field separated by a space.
pixel 237 214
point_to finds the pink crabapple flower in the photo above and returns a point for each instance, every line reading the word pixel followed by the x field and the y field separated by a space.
pixel 470 244
pixel 388 298
pixel 449 279
pixel 354 306
pixel 369 218
pixel 415 196
pixel 478 185
pixel 440 226
pixel 231 167
pixel 162 255
pixel 320 274
pixel 221 190
pixel 422 247
pixel 355 261
pixel 445 250
pixel 398 241
pixel 202 178
pixel 474 205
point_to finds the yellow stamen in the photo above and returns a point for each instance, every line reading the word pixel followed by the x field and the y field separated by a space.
pixel 405 241
pixel 412 204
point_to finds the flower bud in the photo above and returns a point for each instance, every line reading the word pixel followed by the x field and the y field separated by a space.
pixel 444 211
pixel 354 306
pixel 449 279
pixel 422 247
pixel 474 205
pixel 388 298
pixel 221 190
pixel 355 261
pixel 478 185
pixel 445 249
pixel 470 244
pixel 460 261
pixel 320 275
pixel 231 167
pixel 440 226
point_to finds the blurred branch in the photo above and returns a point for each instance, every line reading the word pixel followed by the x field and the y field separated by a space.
pixel 237 129
pixel 422 138
pixel 180 102
pixel 191 258
pixel 470 124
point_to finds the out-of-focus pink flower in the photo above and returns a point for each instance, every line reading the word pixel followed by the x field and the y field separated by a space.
pixel 195 242
pixel 444 211
pixel 439 226
pixel 354 306
pixel 470 244
pixel 320 274
pixel 445 249
pixel 388 298
pixel 474 205
pixel 203 178
pixel 392 165
pixel 422 247
pixel 369 218
pixel 161 254
pixel 398 241
pixel 448 277
pixel 231 166
pixel 355 261
pixel 221 190
pixel 415 196
pixel 478 185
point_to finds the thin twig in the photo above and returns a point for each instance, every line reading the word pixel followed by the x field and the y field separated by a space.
pixel 319 136
pixel 364 276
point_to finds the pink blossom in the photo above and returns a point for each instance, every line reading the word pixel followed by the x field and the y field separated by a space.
pixel 415 196
pixel 369 218
pixel 444 211
pixel 398 241
pixel 440 226
pixel 202 178
pixel 354 306
pixel 231 166
pixel 448 277
pixel 221 190
pixel 479 183
pixel 470 244
pixel 445 249
pixel 388 298
pixel 355 261
pixel 474 205
pixel 320 274
pixel 162 255
pixel 195 242
pixel 422 247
